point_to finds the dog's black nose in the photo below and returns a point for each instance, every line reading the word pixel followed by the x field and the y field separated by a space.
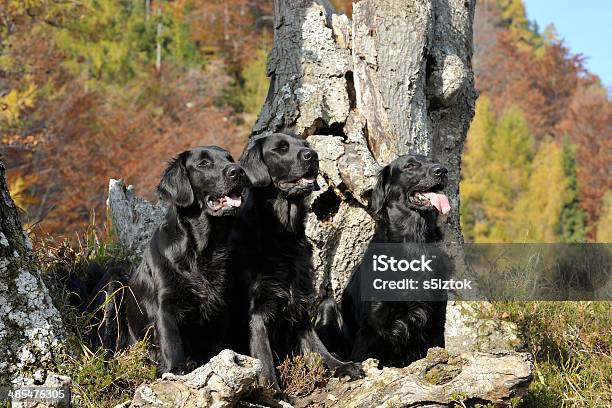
pixel 233 171
pixel 308 154
pixel 440 171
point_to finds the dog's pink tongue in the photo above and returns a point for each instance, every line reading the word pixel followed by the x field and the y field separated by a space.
pixel 233 201
pixel 440 201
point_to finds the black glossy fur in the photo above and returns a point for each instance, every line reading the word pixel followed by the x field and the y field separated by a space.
pixel 179 295
pixel 395 333
pixel 272 256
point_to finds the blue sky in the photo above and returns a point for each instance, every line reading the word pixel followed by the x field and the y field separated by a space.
pixel 586 27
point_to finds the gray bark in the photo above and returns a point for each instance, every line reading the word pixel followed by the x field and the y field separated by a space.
pixel 440 380
pixel 133 218
pixel 30 326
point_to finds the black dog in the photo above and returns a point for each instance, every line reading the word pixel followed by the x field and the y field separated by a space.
pixel 405 204
pixel 179 294
pixel 272 255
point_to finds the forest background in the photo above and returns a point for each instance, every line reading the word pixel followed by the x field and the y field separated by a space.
pixel 100 89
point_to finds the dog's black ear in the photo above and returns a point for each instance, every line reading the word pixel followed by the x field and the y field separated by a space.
pixel 380 192
pixel 175 186
pixel 253 164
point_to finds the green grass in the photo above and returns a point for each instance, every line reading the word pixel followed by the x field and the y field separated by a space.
pixel 572 346
pixel 100 378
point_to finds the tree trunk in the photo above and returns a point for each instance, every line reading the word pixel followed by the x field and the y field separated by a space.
pixel 396 79
pixel 30 326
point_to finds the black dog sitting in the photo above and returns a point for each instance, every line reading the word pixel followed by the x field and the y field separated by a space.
pixel 179 295
pixel 405 204
pixel 272 255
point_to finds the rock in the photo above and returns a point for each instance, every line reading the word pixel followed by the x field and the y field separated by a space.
pixel 467 329
pixel 134 219
pixel 224 381
pixel 435 381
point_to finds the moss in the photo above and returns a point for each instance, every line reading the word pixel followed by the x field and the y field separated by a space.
pixel 458 399
pixel 437 355
pixel 442 373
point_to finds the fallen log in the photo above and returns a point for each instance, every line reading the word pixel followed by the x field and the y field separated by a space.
pixel 439 380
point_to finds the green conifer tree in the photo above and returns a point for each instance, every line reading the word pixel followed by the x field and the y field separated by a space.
pixel 572 221
pixel 112 41
pixel 524 32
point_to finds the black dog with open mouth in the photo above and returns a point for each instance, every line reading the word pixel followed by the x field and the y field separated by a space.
pixel 180 294
pixel 272 255
pixel 405 204
pixel 407 199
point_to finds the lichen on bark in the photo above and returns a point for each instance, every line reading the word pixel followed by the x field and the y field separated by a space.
pixel 30 325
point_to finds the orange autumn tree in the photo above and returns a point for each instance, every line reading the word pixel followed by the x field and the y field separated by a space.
pixel 100 117
pixel 588 122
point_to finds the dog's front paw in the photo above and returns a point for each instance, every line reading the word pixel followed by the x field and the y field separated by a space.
pixel 352 371
pixel 172 369
pixel 190 366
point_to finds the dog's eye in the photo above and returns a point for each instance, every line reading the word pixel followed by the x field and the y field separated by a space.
pixel 204 163
pixel 282 148
pixel 410 166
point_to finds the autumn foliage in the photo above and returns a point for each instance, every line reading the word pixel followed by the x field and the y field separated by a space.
pixel 104 89
pixel 536 164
